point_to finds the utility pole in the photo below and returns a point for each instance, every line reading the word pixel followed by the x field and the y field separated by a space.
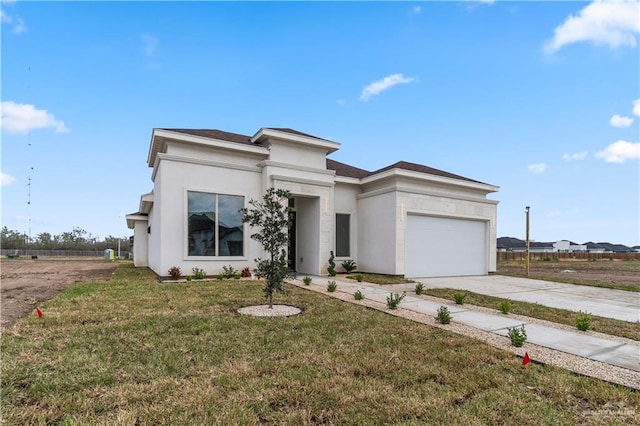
pixel 527 238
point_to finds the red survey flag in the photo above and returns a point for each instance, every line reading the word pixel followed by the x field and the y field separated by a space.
pixel 39 312
pixel 526 360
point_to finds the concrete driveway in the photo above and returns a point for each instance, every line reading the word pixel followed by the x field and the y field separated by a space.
pixel 604 302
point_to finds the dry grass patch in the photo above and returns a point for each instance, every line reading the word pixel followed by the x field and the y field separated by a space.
pixel 135 351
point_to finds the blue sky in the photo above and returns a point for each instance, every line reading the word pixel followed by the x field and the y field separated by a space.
pixel 539 98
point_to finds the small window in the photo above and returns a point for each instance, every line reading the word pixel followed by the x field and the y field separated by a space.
pixel 343 235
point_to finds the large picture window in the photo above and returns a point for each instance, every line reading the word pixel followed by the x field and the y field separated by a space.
pixel 343 237
pixel 214 224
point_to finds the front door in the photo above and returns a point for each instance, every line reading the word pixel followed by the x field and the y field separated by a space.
pixel 292 241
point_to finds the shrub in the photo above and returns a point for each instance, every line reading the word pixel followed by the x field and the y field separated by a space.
pixel 518 336
pixel 175 272
pixel 220 277
pixel 358 295
pixel 236 276
pixel 394 299
pixel 443 317
pixel 246 272
pixel 306 280
pixel 459 298
pixel 359 277
pixel 349 266
pixel 419 288
pixel 505 306
pixel 583 321
pixel 228 271
pixel 198 274
pixel 331 269
pixel 332 286
pixel 188 277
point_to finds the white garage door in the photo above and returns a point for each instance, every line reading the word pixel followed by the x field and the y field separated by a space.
pixel 441 247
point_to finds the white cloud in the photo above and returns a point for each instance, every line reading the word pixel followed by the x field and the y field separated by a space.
pixel 6 179
pixel 577 156
pixel 621 121
pixel 150 44
pixel 379 86
pixel 341 102
pixel 416 10
pixel 636 107
pixel 537 168
pixel 620 151
pixel 614 24
pixel 20 118
pixel 20 27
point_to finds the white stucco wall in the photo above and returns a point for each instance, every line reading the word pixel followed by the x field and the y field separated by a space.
pixel 308 232
pixel 297 154
pixel 141 243
pixel 347 203
pixel 173 180
pixel 377 234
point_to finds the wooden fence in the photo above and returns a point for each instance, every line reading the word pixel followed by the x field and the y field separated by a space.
pixel 61 253
pixel 520 255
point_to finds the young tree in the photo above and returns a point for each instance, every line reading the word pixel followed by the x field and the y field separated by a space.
pixel 271 216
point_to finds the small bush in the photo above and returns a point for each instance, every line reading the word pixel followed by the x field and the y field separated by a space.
pixel 246 272
pixel 443 317
pixel 358 295
pixel 394 299
pixel 188 277
pixel 175 272
pixel 236 276
pixel 349 266
pixel 331 286
pixel 228 272
pixel 198 274
pixel 419 288
pixel 459 298
pixel 359 277
pixel 583 321
pixel 518 336
pixel 505 306
pixel 306 280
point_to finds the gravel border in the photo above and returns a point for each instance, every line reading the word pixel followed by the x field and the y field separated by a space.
pixel 266 311
pixel 537 353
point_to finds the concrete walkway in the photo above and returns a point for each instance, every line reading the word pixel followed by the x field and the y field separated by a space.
pixel 626 355
pixel 603 302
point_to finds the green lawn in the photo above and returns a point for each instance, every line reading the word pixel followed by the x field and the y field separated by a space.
pixel 132 351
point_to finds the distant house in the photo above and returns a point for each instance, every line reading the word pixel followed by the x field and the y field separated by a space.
pixel 404 219
pixel 565 246
pixel 561 246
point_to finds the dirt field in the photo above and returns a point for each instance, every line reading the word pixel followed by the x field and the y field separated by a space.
pixel 24 284
pixel 617 272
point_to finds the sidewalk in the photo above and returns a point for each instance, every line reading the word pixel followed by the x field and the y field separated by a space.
pixel 613 352
pixel 603 302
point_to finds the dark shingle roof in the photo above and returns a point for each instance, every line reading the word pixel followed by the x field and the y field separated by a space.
pixel 346 170
pixel 341 169
pixel 404 165
pixel 215 134
pixel 295 132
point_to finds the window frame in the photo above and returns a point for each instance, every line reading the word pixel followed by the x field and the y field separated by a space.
pixel 349 245
pixel 216 256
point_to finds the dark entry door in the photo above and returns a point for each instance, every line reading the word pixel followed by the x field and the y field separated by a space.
pixel 292 241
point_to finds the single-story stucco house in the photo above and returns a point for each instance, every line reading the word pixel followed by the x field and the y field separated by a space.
pixel 404 219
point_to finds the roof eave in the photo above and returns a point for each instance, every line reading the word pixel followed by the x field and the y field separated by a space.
pixel 432 178
pixel 265 133
pixel 159 137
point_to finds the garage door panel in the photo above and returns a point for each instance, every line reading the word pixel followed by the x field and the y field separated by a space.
pixel 437 246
